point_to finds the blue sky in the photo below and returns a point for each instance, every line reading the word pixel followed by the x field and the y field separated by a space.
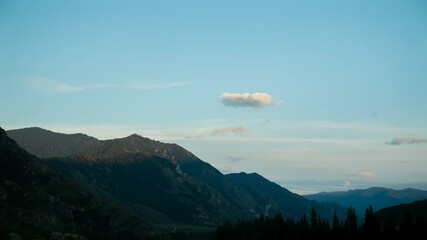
pixel 315 95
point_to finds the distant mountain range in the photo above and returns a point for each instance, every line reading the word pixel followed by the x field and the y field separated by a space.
pixel 38 203
pixel 377 197
pixel 164 182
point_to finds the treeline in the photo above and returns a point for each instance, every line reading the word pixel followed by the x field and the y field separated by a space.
pixel 313 227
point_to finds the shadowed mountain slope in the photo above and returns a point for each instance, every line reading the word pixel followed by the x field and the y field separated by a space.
pixel 36 202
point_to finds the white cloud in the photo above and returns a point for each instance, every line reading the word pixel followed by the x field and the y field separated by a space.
pixel 407 140
pixel 363 174
pixel 139 85
pixel 251 100
pixel 51 86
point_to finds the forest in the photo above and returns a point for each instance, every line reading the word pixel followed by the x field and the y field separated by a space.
pixel 313 227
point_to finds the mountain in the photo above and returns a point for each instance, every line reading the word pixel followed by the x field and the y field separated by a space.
pixel 160 181
pixel 377 197
pixel 36 202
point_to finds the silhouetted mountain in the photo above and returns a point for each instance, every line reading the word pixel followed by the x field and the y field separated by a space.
pixel 377 197
pixel 416 210
pixel 36 202
pixel 164 182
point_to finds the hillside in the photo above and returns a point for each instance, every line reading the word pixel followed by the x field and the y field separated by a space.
pixel 36 202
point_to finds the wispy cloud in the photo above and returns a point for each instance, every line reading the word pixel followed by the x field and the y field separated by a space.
pixel 363 174
pixel 236 130
pixel 101 85
pixel 235 157
pixel 140 85
pixel 227 130
pixel 407 140
pixel 250 100
pixel 51 86
pixel 47 85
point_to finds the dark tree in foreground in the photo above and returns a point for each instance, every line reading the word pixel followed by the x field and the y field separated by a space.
pixel 371 227
pixel 313 228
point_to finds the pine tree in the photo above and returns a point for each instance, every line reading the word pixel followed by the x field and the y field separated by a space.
pixel 371 225
pixel 350 223
pixel 336 227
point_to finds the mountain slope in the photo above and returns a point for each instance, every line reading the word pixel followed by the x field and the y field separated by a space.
pixel 378 197
pixel 36 202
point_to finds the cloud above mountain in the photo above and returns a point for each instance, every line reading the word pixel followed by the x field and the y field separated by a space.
pixel 363 174
pixel 233 130
pixel 406 140
pixel 228 130
pixel 235 157
pixel 248 100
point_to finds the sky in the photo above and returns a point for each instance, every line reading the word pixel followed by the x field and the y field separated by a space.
pixel 314 95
